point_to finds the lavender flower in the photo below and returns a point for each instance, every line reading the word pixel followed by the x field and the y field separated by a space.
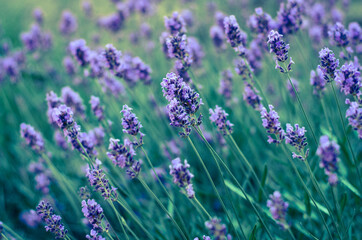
pixel 349 79
pixel 113 22
pixel 175 24
pixel 218 116
pixel 68 23
pixel 317 81
pixel 97 136
pixel 80 51
pixel 133 69
pixel 260 22
pixel 98 179
pixel 290 87
pixel 203 238
pixel 60 140
pixel 328 152
pixel 43 175
pixel 122 155
pixel 242 69
pixel 32 137
pixel 94 235
pixel 217 229
pixel 96 65
pixel 112 57
pixel 218 37
pixel 251 96
pixel 38 16
pixel 195 51
pixel 234 35
pixel 317 13
pixel 297 139
pixel 30 218
pixel 69 65
pixel 272 125
pixel 329 64
pixel 93 212
pixel 84 193
pixel 355 33
pixel 289 17
pixel 111 84
pixel 52 221
pixel 73 100
pixel 87 143
pixel 339 35
pixel 278 208
pixel 53 101
pixel 63 117
pixel 226 84
pixel 280 49
pixel 182 176
pixel 97 109
pixel 87 8
pixel 131 124
pixel 10 67
pixel 354 115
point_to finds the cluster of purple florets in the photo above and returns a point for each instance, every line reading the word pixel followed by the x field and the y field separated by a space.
pixel 32 137
pixel 272 124
pixel 217 229
pixel 329 64
pixel 280 49
pixel 52 222
pixel 278 208
pixel 43 176
pixel 251 96
pixel 328 152
pixel 318 81
pixel 296 137
pixel 97 109
pixel 218 116
pixel 354 115
pixel 182 176
pixel 234 35
pixel 261 22
pixel 289 18
pixel 93 212
pixel 348 77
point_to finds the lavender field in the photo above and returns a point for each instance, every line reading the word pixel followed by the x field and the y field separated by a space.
pixel 185 119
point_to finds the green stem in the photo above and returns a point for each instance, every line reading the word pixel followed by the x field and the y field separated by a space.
pixel 162 206
pixel 291 233
pixel 325 115
pixel 202 207
pixel 8 229
pixel 345 134
pixel 165 190
pixel 118 217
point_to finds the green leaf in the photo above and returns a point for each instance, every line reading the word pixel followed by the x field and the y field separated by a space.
pixel 350 186
pixel 253 232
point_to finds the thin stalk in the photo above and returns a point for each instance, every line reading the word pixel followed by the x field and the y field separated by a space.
pixel 3 236
pixel 8 229
pixel 202 207
pixel 345 134
pixel 325 115
pixel 291 233
pixel 336 205
pixel 212 184
pixel 162 206
pixel 237 182
pixel 307 190
pixel 85 153
pixel 118 218
pixel 165 190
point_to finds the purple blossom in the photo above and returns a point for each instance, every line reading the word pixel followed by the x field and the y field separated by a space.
pixel 188 17
pixel 134 69
pixel 73 100
pixel 280 49
pixel 87 143
pixel 131 124
pixel 217 229
pixel 289 17
pixel 182 176
pixel 339 35
pixel 278 208
pixel 87 8
pixel 234 35
pixel 96 65
pixel 317 81
pixel 146 30
pixel 226 84
pixel 251 96
pixel 63 117
pixel 93 212
pixel 80 51
pixel 203 238
pixel 317 13
pixel 94 235
pixel 32 39
pixel 195 51
pixel 242 69
pixel 113 22
pixel 32 137
pixel 43 176
pixel 53 101
pixel 354 115
pixel 69 65
pixel 219 18
pixel 175 24
pixel 349 79
pixel 272 125
pixel 111 84
pixel 218 116
pixel 38 16
pixel 218 37
pixel 328 152
pixel 30 218
pixel 97 109
pixel 10 67
pixel 329 64
pixel 68 23
pixel 260 22
pixel 98 179
pixel 97 136
pixel 60 140
pixel 52 221
pixel 297 139
pixel 290 87
pixel 112 57
pixel 355 33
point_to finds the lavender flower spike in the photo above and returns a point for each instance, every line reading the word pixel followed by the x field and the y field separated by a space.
pixel 131 124
pixel 93 212
pixel 317 81
pixel 297 139
pixel 278 208
pixel 218 116
pixel 280 49
pixel 52 221
pixel 272 125
pixel 328 152
pixel 111 57
pixel 175 24
pixel 32 137
pixel 217 229
pixel 97 109
pixel 349 79
pixel 182 176
pixel 234 35
pixel 339 35
pixel 80 51
pixel 354 115
pixel 329 64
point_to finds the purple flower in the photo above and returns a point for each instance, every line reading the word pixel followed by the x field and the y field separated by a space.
pixel 297 139
pixel 93 212
pixel 317 13
pixel 260 22
pixel 354 115
pixel 317 81
pixel 195 51
pixel 96 65
pixel 87 142
pixel 280 49
pixel 226 84
pixel 177 46
pixel 113 22
pixel 217 229
pixel 355 33
pixel 80 51
pixel 175 24
pixel 131 124
pixel 218 116
pixel 251 96
pixel 97 109
pixel 349 79
pixel 32 137
pixel 53 102
pixel 63 117
pixel 278 208
pixel 87 8
pixel 30 218
pixel 10 67
pixel 328 152
pixel 219 18
pixel 69 65
pixel 329 64
pixel 203 238
pixel 290 87
pixel 68 23
pixel 242 69
pixel 339 35
pixel 188 17
pixel 234 35
pixel 218 37
pixel 97 136
pixel 98 179
pixel 60 140
pixel 182 176
pixel 272 125
pixel 289 17
pixel 52 221
pixel 73 100
pixel 94 235
pixel 111 84
pixel 112 57
pixel 133 69
pixel 38 16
